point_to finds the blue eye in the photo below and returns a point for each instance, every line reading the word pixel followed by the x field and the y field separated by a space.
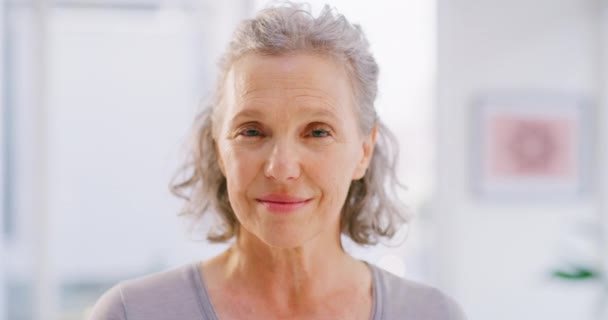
pixel 250 133
pixel 319 133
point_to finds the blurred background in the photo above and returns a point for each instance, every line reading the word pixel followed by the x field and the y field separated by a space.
pixel 500 108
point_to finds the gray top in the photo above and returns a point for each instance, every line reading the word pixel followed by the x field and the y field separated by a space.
pixel 180 294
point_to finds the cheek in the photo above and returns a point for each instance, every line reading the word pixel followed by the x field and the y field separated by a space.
pixel 241 169
pixel 332 173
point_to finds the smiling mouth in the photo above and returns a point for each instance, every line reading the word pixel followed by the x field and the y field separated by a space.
pixel 283 206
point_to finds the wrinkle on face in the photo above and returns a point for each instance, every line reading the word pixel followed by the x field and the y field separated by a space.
pixel 283 98
pixel 281 83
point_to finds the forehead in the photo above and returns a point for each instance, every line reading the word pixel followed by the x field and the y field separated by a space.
pixel 297 80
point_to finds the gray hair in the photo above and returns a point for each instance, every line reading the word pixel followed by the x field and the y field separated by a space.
pixel 372 209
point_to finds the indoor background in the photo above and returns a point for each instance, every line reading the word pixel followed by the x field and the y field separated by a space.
pixel 500 108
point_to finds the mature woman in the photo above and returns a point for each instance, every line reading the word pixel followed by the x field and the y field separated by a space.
pixel 290 155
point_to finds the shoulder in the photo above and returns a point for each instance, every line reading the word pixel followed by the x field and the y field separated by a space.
pixel 169 294
pixel 109 307
pixel 401 298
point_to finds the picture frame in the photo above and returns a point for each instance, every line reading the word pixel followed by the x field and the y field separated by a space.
pixel 531 146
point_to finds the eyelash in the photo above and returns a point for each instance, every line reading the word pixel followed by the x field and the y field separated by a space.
pixel 324 131
pixel 244 131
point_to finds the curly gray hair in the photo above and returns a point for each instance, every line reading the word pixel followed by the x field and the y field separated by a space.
pixel 371 209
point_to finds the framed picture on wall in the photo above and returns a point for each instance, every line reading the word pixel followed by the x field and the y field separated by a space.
pixel 531 147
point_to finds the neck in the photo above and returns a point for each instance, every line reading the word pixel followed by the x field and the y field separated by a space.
pixel 289 276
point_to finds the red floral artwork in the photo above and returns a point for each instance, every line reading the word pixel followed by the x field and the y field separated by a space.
pixel 525 147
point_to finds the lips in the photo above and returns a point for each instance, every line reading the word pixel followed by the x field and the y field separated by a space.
pixel 281 203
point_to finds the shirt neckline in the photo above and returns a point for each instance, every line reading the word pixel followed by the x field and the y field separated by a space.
pixel 207 309
pixel 204 301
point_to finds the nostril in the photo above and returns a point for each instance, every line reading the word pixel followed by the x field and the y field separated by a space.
pixel 282 165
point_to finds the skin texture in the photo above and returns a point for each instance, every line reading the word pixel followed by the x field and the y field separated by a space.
pixel 288 126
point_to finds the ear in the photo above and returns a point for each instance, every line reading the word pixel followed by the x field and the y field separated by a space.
pixel 369 142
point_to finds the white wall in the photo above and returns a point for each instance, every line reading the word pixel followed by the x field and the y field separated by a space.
pixel 124 89
pixel 496 257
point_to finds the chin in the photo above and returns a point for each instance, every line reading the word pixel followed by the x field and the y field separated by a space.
pixel 284 239
pixel 288 242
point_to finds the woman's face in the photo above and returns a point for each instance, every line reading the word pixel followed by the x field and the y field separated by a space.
pixel 289 144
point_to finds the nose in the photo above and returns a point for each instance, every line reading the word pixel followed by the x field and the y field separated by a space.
pixel 283 163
